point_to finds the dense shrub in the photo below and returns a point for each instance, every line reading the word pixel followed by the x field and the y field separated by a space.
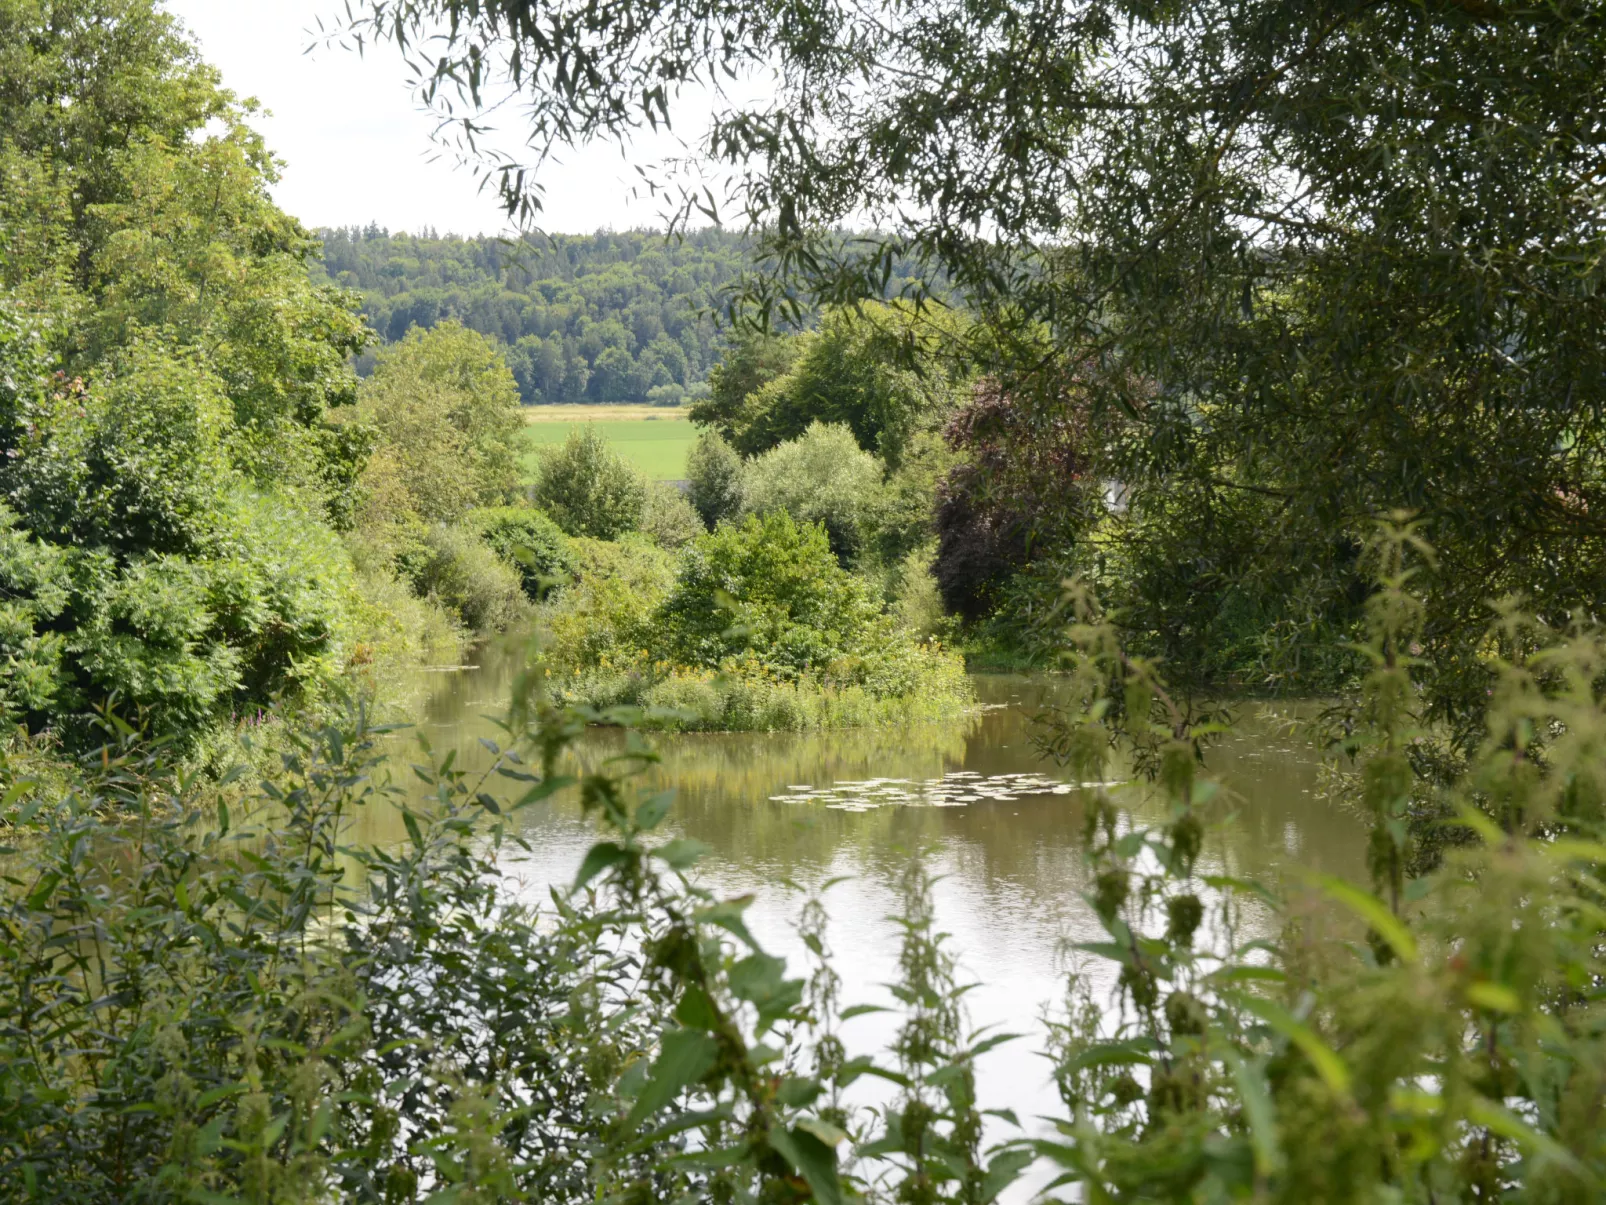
pixel 135 459
pixel 916 602
pixel 714 479
pixel 526 539
pixel 446 410
pixel 824 477
pixel 668 517
pixel 769 585
pixel 605 613
pixel 883 371
pixel 264 1028
pixel 172 641
pixel 758 626
pixel 1021 489
pixel 463 574
pixel 587 487
pixel 170 464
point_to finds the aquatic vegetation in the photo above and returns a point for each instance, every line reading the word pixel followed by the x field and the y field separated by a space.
pixel 955 789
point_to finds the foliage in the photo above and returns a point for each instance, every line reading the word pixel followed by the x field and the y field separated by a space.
pixel 1022 487
pixel 884 371
pixel 141 213
pixel 1243 603
pixel 750 360
pixel 1448 1056
pixel 264 1029
pixel 135 459
pixel 668 516
pixel 526 539
pixel 1348 308
pixel 905 519
pixel 916 602
pixel 458 570
pixel 756 627
pixel 769 585
pixel 269 1023
pixel 823 477
pixel 174 641
pixel 445 410
pixel 605 613
pixel 714 473
pixel 588 489
pixel 605 317
pixel 171 472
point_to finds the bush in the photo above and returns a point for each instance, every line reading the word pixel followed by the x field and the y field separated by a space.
pixel 916 601
pixel 135 461
pixel 468 578
pixel 822 477
pixel 884 371
pixel 529 541
pixel 666 395
pixel 174 642
pixel 1023 489
pixel 769 585
pixel 668 517
pixel 587 487
pixel 714 473
pixel 446 410
pixel 604 615
pixel 759 628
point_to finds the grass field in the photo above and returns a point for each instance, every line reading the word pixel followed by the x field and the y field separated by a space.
pixel 654 439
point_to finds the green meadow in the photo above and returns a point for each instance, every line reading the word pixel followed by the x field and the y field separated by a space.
pixel 656 444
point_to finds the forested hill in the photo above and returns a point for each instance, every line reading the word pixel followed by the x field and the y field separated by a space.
pixel 603 317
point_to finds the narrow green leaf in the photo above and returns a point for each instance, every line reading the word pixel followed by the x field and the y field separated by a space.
pixel 413 831
pixel 1373 911
pixel 1259 1109
pixel 651 813
pixel 684 1057
pixel 1003 1170
pixel 681 852
pixel 1328 1065
pixel 600 857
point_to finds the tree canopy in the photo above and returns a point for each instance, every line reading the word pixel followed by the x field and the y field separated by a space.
pixel 1343 255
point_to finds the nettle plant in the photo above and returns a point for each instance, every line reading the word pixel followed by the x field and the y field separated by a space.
pixel 219 994
pixel 1456 1052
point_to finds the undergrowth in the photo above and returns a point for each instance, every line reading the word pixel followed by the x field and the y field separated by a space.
pixel 216 994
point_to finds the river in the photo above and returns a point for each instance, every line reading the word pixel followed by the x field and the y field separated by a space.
pixel 784 813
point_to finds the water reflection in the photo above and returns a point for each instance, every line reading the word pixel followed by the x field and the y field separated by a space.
pixel 784 813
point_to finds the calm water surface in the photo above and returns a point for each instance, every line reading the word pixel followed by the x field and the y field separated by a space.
pixel 784 813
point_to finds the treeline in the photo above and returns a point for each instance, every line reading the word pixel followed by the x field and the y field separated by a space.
pixel 605 317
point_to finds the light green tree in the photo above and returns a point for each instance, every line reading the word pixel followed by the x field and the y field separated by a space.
pixel 588 489
pixel 823 476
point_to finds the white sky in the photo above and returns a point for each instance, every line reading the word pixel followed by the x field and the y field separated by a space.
pixel 355 146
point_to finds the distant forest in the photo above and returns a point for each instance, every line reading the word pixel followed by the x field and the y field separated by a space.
pixel 601 318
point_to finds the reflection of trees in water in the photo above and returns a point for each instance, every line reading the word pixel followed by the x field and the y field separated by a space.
pixel 1269 811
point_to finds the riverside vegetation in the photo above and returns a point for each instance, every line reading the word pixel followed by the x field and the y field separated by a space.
pixel 208 519
pixel 1142 430
pixel 278 1014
